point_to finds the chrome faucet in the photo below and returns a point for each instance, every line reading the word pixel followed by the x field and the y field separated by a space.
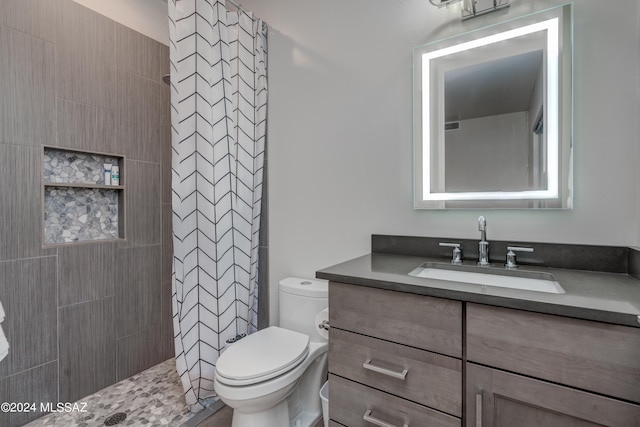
pixel 483 245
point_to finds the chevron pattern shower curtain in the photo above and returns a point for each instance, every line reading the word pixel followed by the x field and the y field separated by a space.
pixel 218 120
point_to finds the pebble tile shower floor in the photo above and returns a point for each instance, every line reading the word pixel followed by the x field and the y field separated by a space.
pixel 151 398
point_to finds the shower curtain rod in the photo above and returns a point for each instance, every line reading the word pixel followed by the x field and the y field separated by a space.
pixel 237 5
pixel 240 7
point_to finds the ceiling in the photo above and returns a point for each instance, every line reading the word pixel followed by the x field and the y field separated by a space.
pixel 490 88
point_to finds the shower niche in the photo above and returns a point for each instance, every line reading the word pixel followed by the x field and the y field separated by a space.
pixel 78 206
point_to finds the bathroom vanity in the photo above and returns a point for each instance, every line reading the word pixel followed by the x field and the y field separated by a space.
pixel 414 351
pixel 434 332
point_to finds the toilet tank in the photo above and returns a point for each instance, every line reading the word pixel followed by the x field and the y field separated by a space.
pixel 300 301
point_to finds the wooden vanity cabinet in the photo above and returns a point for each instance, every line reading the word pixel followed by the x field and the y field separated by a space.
pixel 394 358
pixel 401 359
pixel 502 399
pixel 531 369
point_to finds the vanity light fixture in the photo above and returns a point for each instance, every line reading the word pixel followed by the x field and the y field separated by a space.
pixel 473 8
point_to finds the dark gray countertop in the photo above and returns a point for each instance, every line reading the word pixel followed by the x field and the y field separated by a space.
pixel 605 297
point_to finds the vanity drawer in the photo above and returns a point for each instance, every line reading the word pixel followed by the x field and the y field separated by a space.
pixel 352 401
pixel 433 324
pixel 431 379
pixel 593 356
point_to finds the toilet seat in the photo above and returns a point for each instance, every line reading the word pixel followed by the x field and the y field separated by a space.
pixel 261 356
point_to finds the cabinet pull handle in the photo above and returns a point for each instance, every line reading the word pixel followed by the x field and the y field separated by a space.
pixel 395 374
pixel 479 409
pixel 368 418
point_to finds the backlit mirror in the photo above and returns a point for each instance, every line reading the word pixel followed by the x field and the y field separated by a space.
pixel 492 116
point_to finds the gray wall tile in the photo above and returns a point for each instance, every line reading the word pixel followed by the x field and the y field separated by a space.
pixel 263 287
pixel 168 347
pixel 85 55
pixel 166 93
pixel 21 207
pixel 86 272
pixel 28 294
pixel 264 208
pixel 29 16
pixel 60 90
pixel 167 242
pixel 143 184
pixel 139 124
pixel 165 60
pixel 4 397
pixel 138 290
pixel 37 385
pixel 138 352
pixel 139 54
pixel 263 251
pixel 167 153
pixel 85 127
pixel 87 348
pixel 27 89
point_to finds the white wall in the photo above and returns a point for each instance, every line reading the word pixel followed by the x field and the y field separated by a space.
pixel 148 17
pixel 340 125
pixel 340 145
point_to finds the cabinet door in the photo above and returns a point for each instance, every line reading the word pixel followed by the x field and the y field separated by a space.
pixel 588 355
pixel 501 399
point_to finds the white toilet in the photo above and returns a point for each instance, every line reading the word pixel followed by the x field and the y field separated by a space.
pixel 271 378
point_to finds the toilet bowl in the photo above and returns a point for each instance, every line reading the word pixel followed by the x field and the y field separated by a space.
pixel 272 377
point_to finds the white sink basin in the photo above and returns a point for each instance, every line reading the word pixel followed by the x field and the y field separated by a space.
pixel 523 280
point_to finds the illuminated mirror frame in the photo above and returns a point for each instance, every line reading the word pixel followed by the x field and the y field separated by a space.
pixel 558 104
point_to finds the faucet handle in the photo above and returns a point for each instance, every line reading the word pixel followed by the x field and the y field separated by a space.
pixel 456 255
pixel 511 255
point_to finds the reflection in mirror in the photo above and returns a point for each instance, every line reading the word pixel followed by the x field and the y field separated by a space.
pixel 492 116
pixel 489 136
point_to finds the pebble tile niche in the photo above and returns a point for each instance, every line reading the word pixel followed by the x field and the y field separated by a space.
pixel 75 214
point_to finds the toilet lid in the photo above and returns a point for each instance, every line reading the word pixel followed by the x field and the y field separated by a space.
pixel 262 355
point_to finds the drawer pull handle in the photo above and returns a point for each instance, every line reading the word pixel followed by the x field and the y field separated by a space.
pixel 395 374
pixel 373 420
pixel 479 409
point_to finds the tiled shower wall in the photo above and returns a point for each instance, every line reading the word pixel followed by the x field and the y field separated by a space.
pixel 79 318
